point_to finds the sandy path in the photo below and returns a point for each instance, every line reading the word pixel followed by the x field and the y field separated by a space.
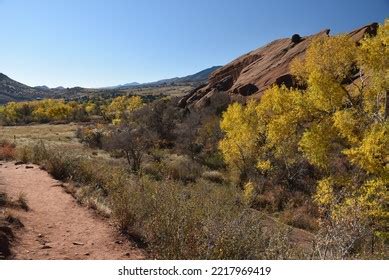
pixel 57 227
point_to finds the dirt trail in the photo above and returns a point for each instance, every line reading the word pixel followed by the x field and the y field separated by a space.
pixel 56 227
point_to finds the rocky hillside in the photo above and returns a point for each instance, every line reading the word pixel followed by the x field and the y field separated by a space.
pixel 11 90
pixel 249 75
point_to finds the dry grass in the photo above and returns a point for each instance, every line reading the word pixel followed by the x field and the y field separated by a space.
pixel 166 90
pixel 21 201
pixel 59 136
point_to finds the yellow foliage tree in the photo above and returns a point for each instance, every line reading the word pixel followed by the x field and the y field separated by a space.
pixel 339 119
pixel 120 105
pixel 239 146
pixel 40 111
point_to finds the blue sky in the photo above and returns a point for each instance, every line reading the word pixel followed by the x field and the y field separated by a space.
pixel 95 43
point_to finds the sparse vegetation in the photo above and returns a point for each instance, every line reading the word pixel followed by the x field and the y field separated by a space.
pixel 8 223
pixel 163 211
pixel 21 202
pixel 7 150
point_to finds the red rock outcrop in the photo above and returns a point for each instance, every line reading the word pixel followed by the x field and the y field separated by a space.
pixel 249 75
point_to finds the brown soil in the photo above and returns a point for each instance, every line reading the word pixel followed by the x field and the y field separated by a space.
pixel 56 226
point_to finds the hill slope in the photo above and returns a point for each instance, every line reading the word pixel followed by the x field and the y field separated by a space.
pixel 199 77
pixel 11 90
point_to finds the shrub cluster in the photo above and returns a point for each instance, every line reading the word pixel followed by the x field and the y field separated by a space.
pixel 43 111
pixel 198 220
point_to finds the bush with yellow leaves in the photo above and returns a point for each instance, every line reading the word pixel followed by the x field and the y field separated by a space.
pixel 338 124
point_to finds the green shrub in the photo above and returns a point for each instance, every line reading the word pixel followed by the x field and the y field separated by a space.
pixel 60 166
pixel 122 199
pixel 23 154
pixel 213 176
pixel 214 161
pixel 39 153
pixel 153 169
pixel 92 136
pixel 180 167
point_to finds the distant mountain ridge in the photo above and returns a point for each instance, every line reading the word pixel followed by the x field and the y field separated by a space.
pixel 11 90
pixel 199 77
pixel 127 85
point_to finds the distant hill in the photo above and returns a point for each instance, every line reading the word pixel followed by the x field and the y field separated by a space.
pixel 199 77
pixel 11 90
pixel 128 85
pixel 42 87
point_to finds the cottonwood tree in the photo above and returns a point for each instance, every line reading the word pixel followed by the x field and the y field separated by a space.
pixel 42 111
pixel 120 105
pixel 338 124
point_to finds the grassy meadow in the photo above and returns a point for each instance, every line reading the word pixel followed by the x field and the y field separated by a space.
pixel 24 135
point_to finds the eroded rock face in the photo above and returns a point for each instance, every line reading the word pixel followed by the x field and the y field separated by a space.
pixel 225 84
pixel 247 89
pixel 250 75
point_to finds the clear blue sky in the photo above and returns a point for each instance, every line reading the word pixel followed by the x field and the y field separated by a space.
pixel 95 43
